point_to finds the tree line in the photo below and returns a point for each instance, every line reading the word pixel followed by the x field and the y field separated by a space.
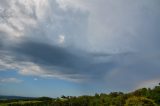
pixel 140 97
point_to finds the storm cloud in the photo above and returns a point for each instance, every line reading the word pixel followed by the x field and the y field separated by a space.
pixel 82 40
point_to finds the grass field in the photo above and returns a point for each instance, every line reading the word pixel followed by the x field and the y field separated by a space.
pixel 20 102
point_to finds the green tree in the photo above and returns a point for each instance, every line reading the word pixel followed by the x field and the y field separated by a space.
pixel 155 94
pixel 139 101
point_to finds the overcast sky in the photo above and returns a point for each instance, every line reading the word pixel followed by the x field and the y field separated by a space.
pixel 77 47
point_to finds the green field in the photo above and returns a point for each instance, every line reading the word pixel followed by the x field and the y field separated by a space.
pixel 20 102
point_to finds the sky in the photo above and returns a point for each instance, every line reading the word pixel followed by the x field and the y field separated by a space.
pixel 78 47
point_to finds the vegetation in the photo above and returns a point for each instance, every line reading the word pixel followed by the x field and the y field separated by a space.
pixel 139 101
pixel 140 97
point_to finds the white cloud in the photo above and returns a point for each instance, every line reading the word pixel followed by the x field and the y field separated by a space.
pixel 10 80
pixel 65 4
pixel 61 39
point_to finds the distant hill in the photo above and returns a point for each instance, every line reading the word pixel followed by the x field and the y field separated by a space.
pixel 4 97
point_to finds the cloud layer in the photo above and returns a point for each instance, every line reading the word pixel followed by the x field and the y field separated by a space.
pixel 82 40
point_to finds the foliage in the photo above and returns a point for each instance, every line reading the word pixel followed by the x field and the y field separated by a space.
pixel 139 101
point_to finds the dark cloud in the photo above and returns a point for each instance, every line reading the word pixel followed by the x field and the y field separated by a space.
pixel 66 60
pixel 49 55
pixel 118 48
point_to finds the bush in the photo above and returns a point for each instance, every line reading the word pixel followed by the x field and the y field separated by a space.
pixel 139 101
